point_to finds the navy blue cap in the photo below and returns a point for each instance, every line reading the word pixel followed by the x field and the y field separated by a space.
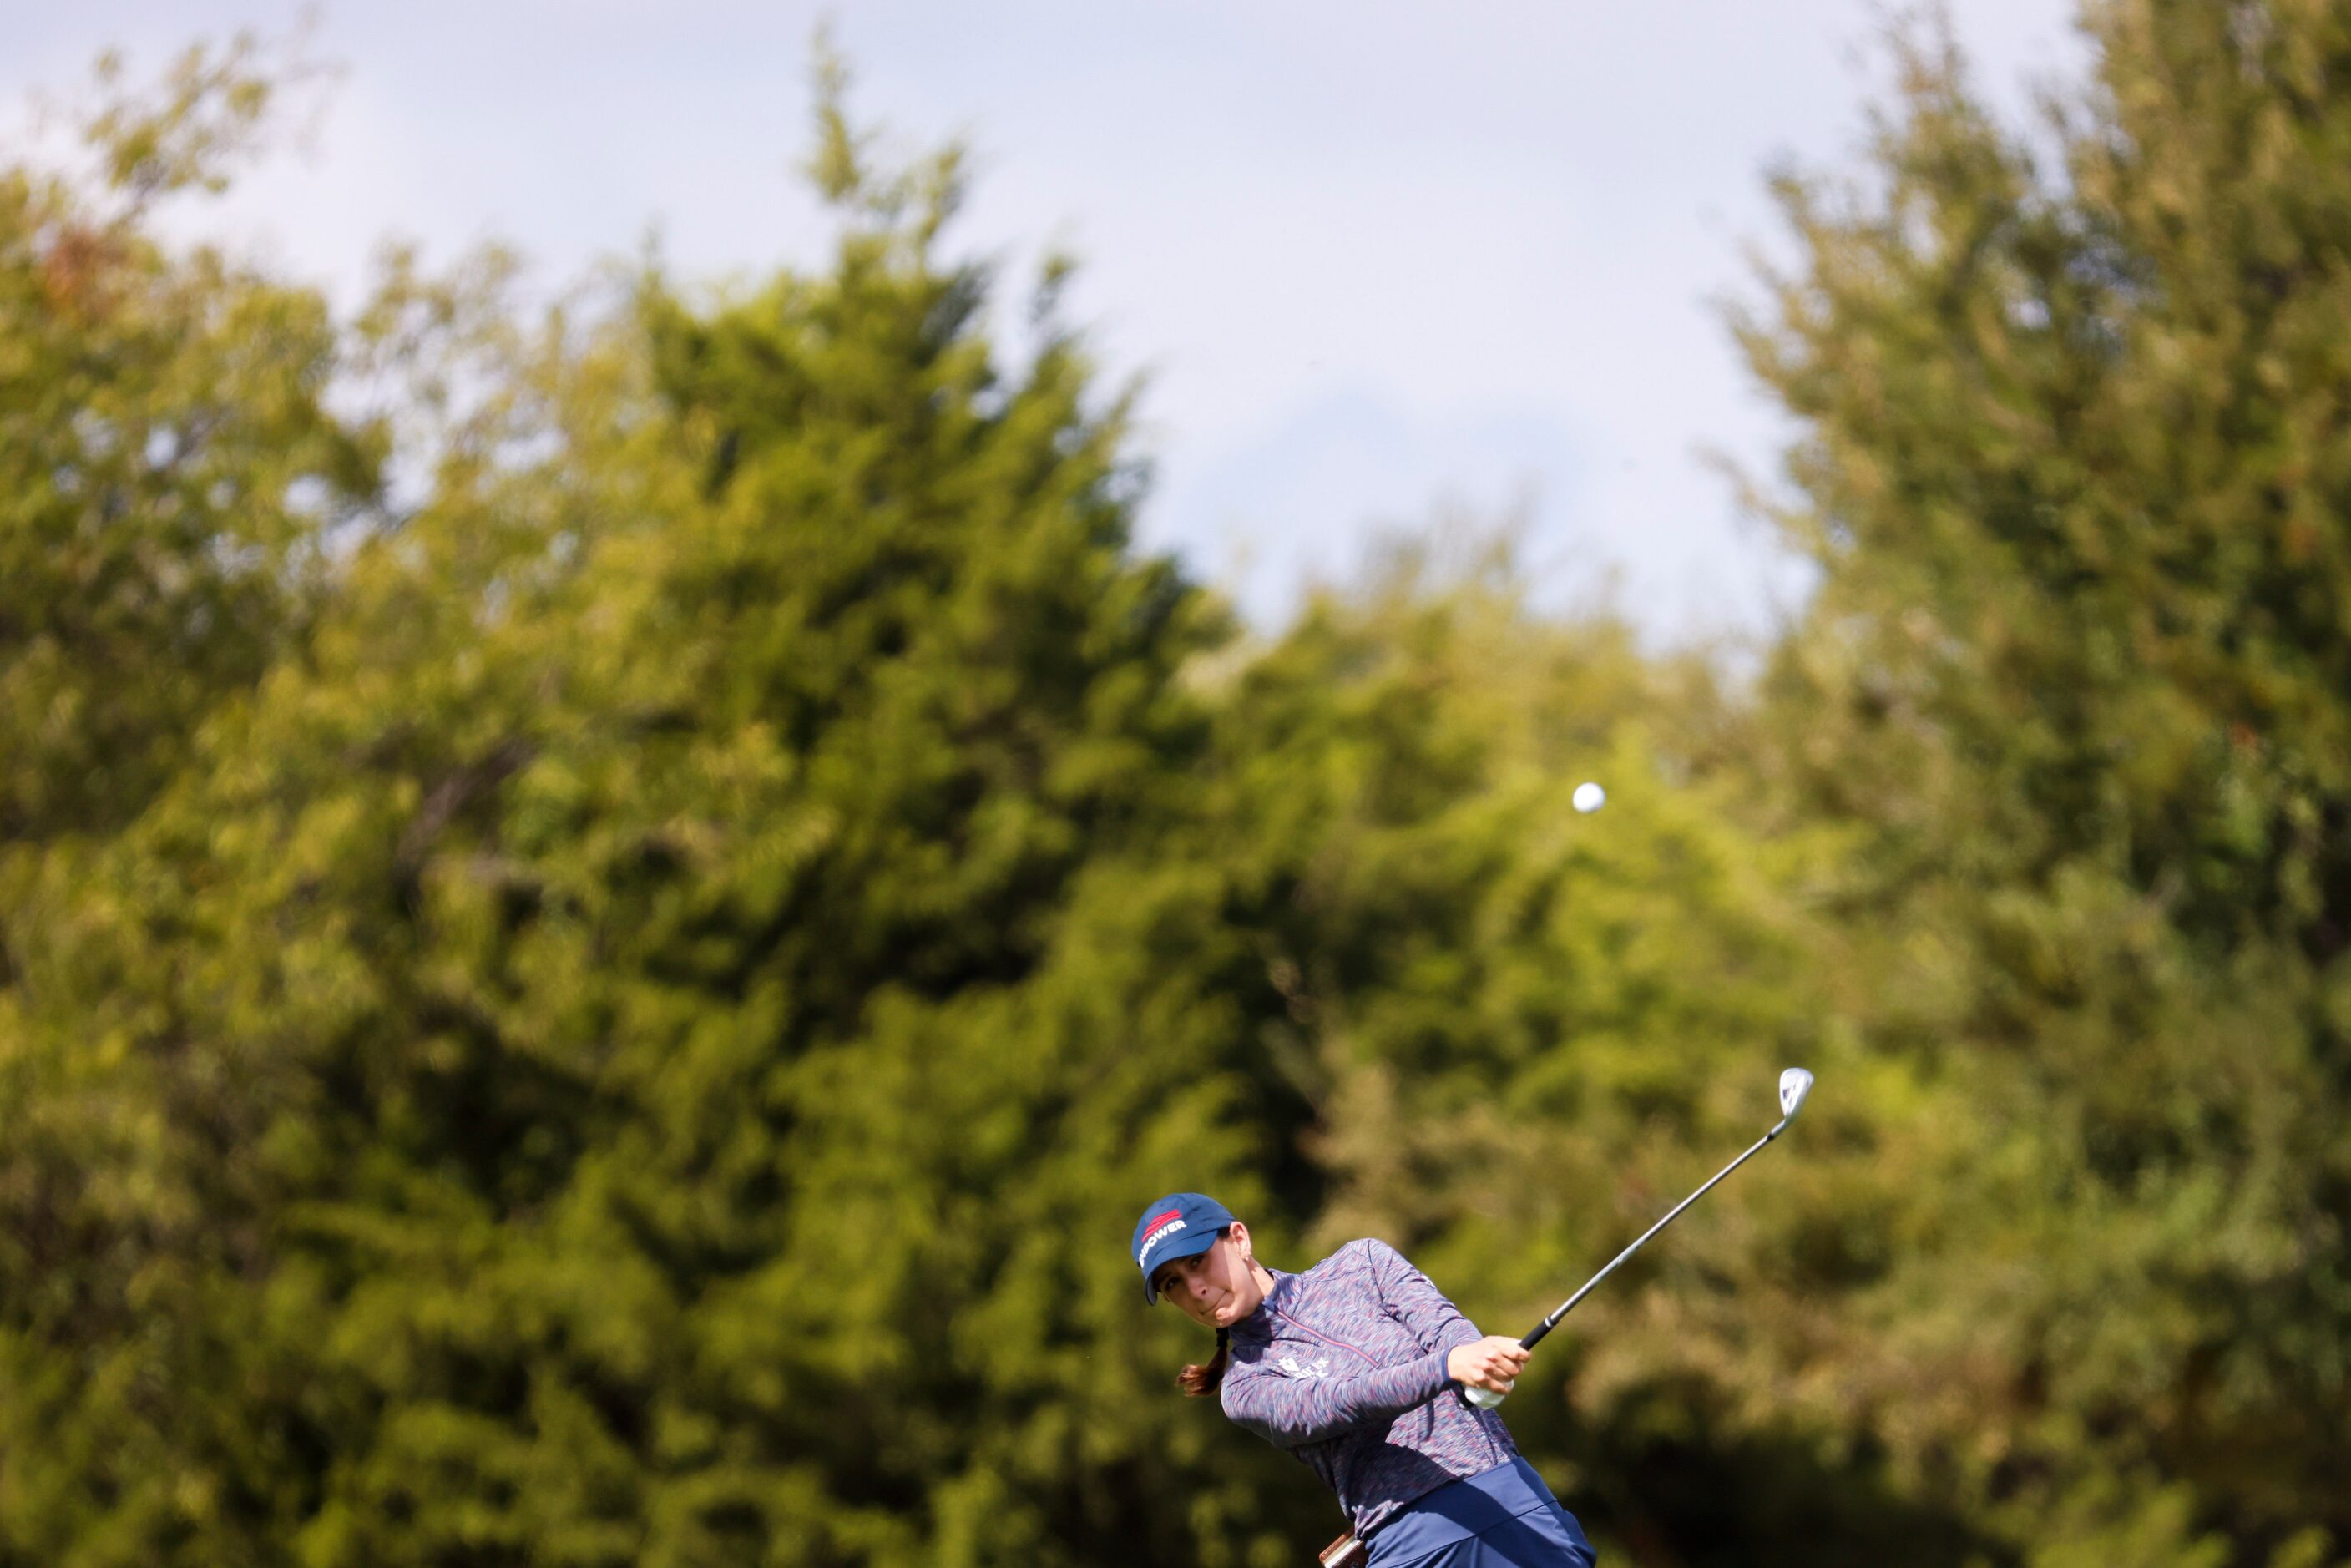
pixel 1177 1226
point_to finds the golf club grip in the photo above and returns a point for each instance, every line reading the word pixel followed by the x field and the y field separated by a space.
pixel 1486 1398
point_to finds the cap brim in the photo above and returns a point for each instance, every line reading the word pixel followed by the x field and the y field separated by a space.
pixel 1184 1246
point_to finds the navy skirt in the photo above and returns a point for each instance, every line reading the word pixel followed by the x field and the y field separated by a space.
pixel 1504 1519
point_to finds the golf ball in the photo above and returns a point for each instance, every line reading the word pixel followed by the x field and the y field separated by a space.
pixel 1590 797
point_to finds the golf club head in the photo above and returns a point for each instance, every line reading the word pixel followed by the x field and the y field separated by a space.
pixel 1794 1084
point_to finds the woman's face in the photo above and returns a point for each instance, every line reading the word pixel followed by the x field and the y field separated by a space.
pixel 1216 1289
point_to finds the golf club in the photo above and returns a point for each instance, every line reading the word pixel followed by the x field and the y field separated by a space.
pixel 1794 1084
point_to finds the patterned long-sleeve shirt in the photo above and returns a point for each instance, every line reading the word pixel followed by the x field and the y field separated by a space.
pixel 1344 1366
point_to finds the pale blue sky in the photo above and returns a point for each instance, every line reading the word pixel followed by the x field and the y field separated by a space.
pixel 1375 257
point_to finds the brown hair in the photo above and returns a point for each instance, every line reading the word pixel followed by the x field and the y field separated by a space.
pixel 1202 1381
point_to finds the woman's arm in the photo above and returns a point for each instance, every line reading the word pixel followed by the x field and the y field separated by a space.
pixel 1415 1300
pixel 1490 1362
pixel 1292 1412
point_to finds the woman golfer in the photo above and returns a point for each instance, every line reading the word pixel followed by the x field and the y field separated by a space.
pixel 1357 1367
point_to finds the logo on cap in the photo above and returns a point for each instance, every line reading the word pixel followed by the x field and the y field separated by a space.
pixel 1157 1228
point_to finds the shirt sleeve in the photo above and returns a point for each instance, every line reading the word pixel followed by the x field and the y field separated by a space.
pixel 1416 1302
pixel 1292 1412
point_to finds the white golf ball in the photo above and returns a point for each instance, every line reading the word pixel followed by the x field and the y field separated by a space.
pixel 1590 797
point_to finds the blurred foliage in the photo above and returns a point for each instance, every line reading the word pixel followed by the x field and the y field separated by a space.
pixel 605 912
pixel 2077 469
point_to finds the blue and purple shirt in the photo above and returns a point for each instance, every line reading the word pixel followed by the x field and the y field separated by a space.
pixel 1344 1366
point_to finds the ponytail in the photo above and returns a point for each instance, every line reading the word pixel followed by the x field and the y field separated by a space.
pixel 1202 1381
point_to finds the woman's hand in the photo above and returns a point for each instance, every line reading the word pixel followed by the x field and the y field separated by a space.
pixel 1492 1363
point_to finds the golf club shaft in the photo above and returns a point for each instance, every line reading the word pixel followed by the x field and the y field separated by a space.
pixel 1795 1085
pixel 1568 1306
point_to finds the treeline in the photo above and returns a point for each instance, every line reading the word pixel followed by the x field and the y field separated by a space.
pixel 606 912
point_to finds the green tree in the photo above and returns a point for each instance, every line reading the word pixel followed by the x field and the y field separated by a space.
pixel 634 1045
pixel 170 469
pixel 2074 471
pixel 167 462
